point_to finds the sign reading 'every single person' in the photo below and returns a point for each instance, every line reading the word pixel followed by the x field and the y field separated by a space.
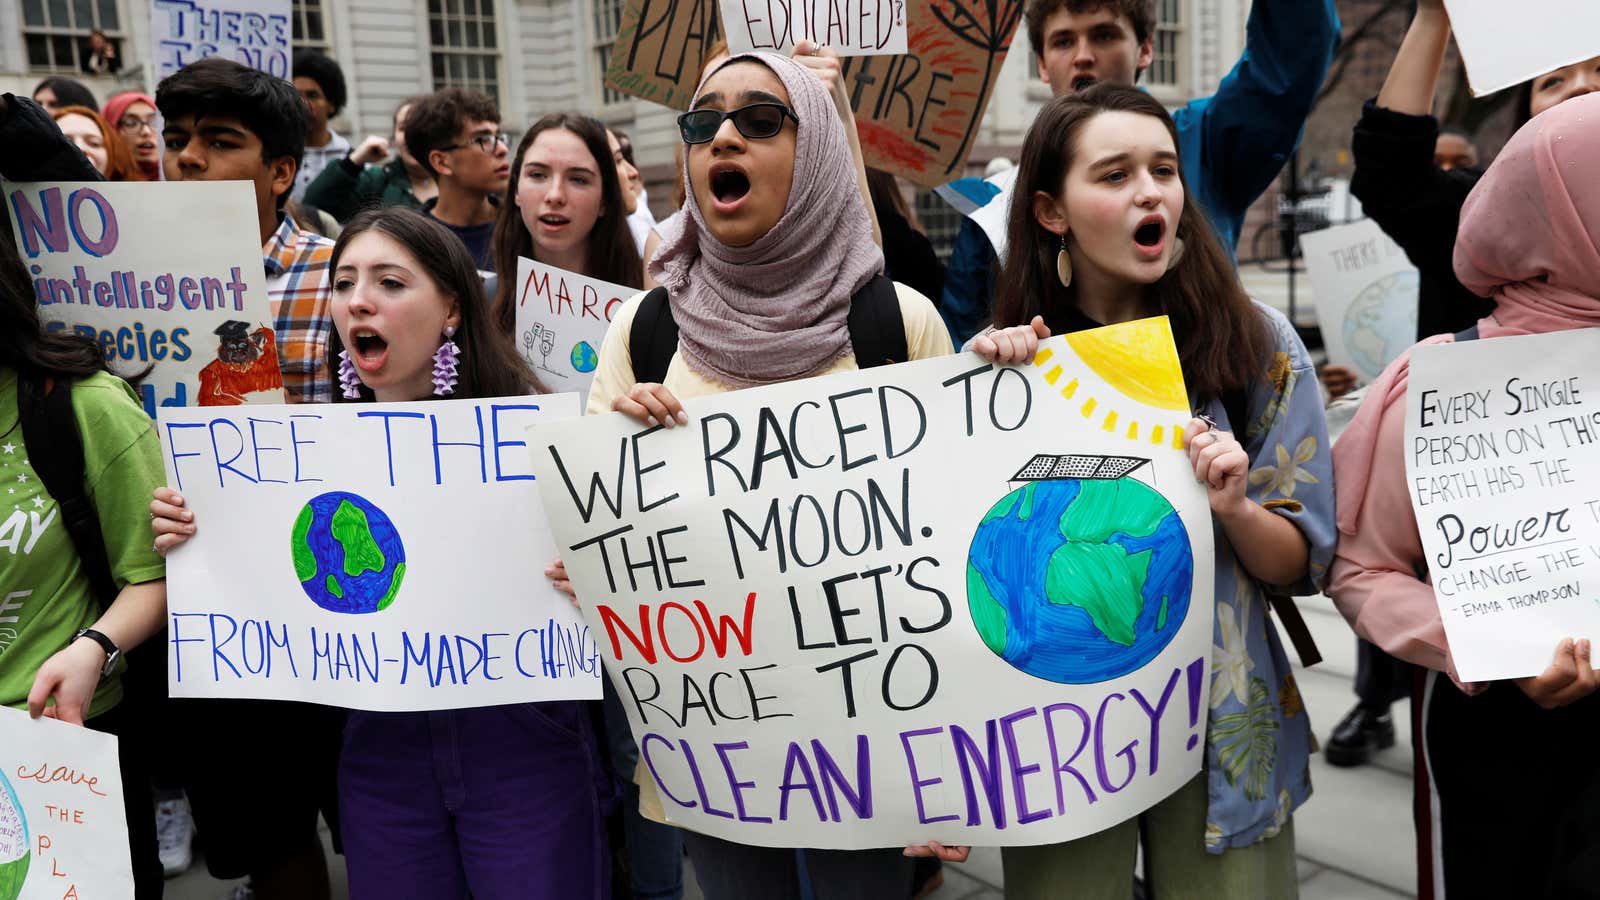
pixel 1500 441
pixel 382 556
pixel 941 599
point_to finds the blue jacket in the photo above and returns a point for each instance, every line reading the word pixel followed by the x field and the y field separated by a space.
pixel 1233 143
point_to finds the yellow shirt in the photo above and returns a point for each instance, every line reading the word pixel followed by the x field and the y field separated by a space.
pixel 926 337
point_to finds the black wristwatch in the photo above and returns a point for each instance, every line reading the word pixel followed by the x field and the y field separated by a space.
pixel 113 652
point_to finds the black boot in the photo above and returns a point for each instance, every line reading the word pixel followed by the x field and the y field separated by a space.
pixel 1358 736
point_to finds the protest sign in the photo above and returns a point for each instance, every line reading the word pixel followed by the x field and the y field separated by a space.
pixel 383 556
pixel 63 832
pixel 916 112
pixel 1499 461
pixel 1503 44
pixel 561 319
pixel 940 600
pixel 163 275
pixel 850 28
pixel 1366 295
pixel 253 32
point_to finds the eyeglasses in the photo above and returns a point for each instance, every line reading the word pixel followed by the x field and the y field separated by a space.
pixel 485 142
pixel 135 124
pixel 756 121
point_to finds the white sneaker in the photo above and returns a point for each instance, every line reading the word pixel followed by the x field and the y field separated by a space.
pixel 175 835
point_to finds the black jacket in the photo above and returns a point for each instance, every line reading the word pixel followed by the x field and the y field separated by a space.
pixel 1418 205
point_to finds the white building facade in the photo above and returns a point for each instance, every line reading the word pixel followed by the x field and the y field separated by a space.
pixel 539 56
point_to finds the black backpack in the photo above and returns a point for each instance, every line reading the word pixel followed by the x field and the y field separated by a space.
pixel 55 450
pixel 877 331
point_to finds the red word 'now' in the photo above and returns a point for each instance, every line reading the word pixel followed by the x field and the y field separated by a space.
pixel 703 626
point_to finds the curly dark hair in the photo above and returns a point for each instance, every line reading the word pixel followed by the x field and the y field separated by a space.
pixel 325 72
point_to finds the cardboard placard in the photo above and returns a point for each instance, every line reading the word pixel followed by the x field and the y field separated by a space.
pixel 938 600
pixel 1500 463
pixel 382 556
pixel 849 27
pixel 916 113
pixel 63 832
pixel 165 275
pixel 1503 44
pixel 1366 295
pixel 256 33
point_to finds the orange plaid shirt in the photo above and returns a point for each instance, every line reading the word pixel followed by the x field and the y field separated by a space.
pixel 298 285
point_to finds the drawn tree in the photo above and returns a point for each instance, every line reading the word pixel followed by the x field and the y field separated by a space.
pixel 988 26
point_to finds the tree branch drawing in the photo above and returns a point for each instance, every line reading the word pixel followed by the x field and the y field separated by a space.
pixel 986 25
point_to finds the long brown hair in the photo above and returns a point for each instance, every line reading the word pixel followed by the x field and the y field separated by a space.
pixel 119 159
pixel 613 255
pixel 1222 338
pixel 490 365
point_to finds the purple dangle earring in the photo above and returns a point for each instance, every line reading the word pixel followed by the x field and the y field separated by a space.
pixel 349 381
pixel 445 360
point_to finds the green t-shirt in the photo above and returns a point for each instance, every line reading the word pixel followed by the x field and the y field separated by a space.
pixel 44 595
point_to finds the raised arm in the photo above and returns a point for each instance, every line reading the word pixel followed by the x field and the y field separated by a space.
pixel 1250 126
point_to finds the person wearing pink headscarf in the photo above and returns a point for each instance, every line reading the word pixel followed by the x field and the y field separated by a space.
pixel 133 116
pixel 1504 770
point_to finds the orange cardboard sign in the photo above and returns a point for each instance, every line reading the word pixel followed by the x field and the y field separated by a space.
pixel 917 113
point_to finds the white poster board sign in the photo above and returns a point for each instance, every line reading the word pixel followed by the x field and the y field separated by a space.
pixel 1366 295
pixel 256 33
pixel 369 555
pixel 1504 44
pixel 850 27
pixel 63 832
pixel 163 275
pixel 561 319
pixel 1500 437
pixel 935 600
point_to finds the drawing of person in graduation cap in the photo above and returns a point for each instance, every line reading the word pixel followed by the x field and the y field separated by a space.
pixel 247 361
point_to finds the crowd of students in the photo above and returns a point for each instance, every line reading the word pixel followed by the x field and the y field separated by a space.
pixel 1120 211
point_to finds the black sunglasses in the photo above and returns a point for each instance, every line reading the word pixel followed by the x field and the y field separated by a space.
pixel 756 121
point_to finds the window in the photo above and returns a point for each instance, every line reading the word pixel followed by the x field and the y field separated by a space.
pixel 309 27
pixel 56 32
pixel 939 221
pixel 607 19
pixel 464 45
pixel 1166 68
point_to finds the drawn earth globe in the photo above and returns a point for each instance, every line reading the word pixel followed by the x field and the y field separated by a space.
pixel 14 842
pixel 1082 573
pixel 584 358
pixel 347 554
pixel 1380 322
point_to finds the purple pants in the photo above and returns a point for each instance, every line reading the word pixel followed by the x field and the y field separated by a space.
pixel 491 803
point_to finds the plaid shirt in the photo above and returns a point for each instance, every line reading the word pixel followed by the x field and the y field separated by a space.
pixel 298 286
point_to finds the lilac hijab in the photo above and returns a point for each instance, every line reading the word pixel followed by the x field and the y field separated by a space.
pixel 776 309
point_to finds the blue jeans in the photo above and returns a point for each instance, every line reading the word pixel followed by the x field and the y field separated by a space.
pixel 497 803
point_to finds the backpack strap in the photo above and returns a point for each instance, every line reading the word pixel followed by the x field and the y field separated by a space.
pixel 653 339
pixel 877 328
pixel 1470 334
pixel 877 331
pixel 55 450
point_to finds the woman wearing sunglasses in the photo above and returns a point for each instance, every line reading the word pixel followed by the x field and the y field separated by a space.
pixel 760 273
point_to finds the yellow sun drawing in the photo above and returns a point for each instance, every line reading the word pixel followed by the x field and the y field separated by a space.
pixel 1139 361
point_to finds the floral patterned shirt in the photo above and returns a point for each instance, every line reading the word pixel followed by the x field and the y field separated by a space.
pixel 1258 738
